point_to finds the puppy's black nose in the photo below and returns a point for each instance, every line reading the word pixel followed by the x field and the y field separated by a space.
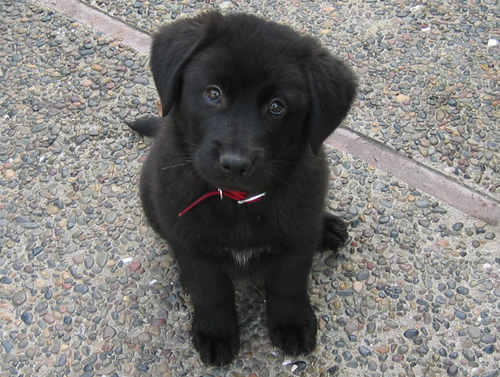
pixel 235 164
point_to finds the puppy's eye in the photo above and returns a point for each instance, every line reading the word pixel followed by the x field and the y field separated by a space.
pixel 213 94
pixel 277 107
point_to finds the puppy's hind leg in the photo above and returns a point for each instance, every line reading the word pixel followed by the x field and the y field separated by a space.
pixel 334 234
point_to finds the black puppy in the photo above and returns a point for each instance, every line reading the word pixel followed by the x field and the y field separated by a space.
pixel 236 179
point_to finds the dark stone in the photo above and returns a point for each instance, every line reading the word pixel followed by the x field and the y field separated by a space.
pixel 27 318
pixel 411 333
pixel 452 370
pixel 81 288
pixel 363 351
pixel 7 345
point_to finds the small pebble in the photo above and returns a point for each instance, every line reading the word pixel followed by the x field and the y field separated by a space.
pixel 347 355
pixel 7 345
pixel 363 351
pixel 110 217
pixel 452 370
pixel 357 286
pixel 462 291
pixel 158 322
pixel 27 318
pixel 110 332
pixel 101 259
pixel 81 288
pixel 489 349
pixel 469 355
pixel 422 203
pixel 5 280
pixel 143 367
pixel 18 298
pixel 473 332
pixel 488 339
pixel 397 358
pixel 298 366
pixel 411 333
pixel 383 349
pixel 144 337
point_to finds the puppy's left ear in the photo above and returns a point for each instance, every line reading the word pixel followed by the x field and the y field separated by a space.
pixel 332 88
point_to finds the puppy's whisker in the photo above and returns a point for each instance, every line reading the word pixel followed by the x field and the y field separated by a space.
pixel 194 145
pixel 176 165
pixel 276 176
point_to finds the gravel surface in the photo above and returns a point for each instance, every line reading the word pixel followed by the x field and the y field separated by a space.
pixel 87 289
pixel 428 70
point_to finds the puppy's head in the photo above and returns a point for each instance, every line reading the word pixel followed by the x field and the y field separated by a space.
pixel 249 97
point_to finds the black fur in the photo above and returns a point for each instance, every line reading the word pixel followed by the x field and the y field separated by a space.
pixel 146 127
pixel 246 106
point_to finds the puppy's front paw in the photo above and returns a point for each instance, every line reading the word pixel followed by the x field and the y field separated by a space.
pixel 295 338
pixel 216 349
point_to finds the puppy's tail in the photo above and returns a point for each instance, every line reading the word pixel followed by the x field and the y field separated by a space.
pixel 147 127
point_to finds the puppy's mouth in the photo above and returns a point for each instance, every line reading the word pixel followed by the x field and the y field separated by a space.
pixel 252 183
pixel 233 173
pixel 248 188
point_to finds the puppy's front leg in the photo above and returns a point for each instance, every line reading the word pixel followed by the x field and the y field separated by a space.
pixel 291 320
pixel 215 323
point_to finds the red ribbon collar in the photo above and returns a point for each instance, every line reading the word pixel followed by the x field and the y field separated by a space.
pixel 240 197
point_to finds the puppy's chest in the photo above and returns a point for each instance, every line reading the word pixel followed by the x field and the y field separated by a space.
pixel 242 236
pixel 243 257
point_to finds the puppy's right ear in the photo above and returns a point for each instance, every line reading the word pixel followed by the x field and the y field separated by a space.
pixel 172 47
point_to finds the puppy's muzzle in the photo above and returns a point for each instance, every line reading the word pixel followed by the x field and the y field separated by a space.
pixel 238 164
pixel 234 164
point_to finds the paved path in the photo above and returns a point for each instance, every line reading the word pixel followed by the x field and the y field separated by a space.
pixel 87 289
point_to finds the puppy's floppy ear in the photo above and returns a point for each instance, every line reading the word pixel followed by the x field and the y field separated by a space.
pixel 332 88
pixel 172 47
